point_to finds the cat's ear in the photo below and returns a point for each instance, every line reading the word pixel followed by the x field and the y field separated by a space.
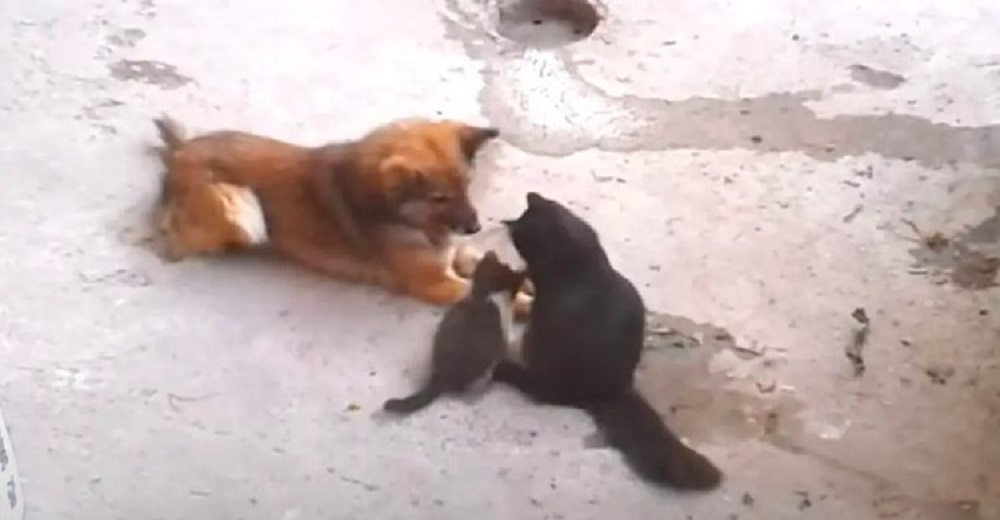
pixel 534 199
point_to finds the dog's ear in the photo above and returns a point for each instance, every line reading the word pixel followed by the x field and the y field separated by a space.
pixel 472 138
pixel 402 179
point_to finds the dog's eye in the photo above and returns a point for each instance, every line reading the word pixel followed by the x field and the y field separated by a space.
pixel 440 198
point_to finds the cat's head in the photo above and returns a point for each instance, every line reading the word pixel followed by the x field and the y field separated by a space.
pixel 551 238
pixel 493 276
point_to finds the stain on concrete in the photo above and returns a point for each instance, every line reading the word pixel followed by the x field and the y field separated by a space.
pixel 707 387
pixel 542 104
pixel 126 38
pixel 880 79
pixel 986 232
pixel 928 509
pixel 159 74
pixel 974 270
pixel 970 260
pixel 700 381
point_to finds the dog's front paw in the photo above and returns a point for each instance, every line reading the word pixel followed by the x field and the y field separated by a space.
pixel 444 292
pixel 522 307
pixel 467 257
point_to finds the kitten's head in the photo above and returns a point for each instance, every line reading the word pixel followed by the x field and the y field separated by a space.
pixel 493 276
pixel 551 238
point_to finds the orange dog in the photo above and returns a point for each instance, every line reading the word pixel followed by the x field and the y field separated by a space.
pixel 380 210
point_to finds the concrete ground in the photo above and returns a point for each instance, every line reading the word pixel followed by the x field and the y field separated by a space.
pixel 750 165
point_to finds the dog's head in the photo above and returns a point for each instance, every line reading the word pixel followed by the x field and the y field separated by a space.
pixel 425 170
pixel 551 238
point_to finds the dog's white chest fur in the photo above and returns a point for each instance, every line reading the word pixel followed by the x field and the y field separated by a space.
pixel 243 210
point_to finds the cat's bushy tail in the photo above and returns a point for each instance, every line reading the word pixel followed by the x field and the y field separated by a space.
pixel 630 425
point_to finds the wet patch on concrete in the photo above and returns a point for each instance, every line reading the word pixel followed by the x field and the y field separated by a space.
pixel 711 389
pixel 542 105
pixel 880 79
pixel 156 73
pixel 970 260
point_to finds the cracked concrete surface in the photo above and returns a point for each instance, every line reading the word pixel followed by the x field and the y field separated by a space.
pixel 750 165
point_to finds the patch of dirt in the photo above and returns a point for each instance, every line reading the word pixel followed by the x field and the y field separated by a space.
pixel 880 79
pixel 156 73
pixel 126 38
pixel 970 260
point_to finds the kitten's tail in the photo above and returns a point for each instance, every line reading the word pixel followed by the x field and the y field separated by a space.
pixel 630 425
pixel 408 405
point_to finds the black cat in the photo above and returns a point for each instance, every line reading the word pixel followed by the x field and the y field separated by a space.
pixel 472 337
pixel 582 344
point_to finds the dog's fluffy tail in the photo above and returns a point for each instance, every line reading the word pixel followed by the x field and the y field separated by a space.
pixel 630 425
pixel 417 401
pixel 172 135
pixel 171 132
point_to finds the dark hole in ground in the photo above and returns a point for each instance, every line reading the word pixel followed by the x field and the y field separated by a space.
pixel 546 23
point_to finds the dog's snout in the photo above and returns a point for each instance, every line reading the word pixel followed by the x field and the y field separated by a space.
pixel 464 219
pixel 469 228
